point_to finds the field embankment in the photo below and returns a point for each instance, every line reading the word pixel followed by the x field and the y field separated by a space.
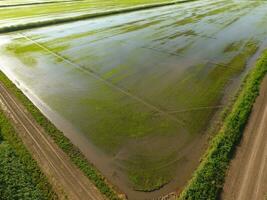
pixel 20 176
pixel 208 179
pixel 84 16
pixel 73 152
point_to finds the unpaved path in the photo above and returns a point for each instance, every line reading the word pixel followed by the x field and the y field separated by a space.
pixel 67 180
pixel 247 175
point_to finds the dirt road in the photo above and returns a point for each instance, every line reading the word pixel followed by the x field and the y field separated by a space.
pixel 247 175
pixel 67 180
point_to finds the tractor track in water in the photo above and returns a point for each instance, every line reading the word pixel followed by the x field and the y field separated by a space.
pixel 107 82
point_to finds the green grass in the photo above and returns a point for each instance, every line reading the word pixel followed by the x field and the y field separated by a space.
pixel 89 11
pixel 86 5
pixel 208 179
pixel 64 143
pixel 20 176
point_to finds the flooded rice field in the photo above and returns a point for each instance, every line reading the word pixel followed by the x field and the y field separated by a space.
pixel 17 12
pixel 137 92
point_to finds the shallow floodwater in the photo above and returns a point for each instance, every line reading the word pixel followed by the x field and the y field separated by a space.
pixel 17 12
pixel 137 92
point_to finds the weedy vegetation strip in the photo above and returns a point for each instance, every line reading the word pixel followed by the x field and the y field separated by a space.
pixel 63 142
pixel 19 27
pixel 32 3
pixel 20 176
pixel 208 179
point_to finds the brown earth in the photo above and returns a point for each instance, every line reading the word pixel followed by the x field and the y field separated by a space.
pixel 247 175
pixel 67 180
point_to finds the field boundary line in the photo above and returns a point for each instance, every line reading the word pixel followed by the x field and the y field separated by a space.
pixel 181 55
pixel 110 84
pixel 197 108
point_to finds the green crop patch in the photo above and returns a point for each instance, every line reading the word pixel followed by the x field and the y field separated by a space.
pixel 20 176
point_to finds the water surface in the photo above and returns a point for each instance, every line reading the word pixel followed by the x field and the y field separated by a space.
pixel 137 92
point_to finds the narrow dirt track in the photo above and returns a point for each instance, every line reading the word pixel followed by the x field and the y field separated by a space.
pixel 247 175
pixel 67 180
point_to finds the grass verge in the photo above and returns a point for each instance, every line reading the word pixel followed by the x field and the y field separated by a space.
pixel 37 24
pixel 208 179
pixel 63 142
pixel 20 176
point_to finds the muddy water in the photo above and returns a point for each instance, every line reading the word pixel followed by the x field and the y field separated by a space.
pixel 136 92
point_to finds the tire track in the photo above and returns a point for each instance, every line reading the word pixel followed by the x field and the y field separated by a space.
pixel 64 176
pixel 92 73
pixel 247 177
